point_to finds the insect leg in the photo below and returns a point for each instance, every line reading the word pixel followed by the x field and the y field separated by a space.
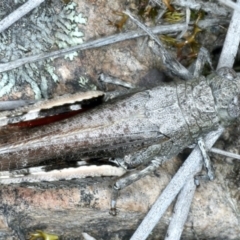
pixel 130 165
pixel 206 159
pixel 104 78
pixel 124 182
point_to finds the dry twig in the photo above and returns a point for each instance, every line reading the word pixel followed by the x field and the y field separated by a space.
pixel 89 45
pixel 231 43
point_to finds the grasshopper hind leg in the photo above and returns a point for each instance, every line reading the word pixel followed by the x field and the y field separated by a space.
pixel 125 181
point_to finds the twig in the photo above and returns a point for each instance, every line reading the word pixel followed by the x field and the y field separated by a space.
pixel 88 45
pixel 207 6
pixel 181 210
pixel 212 22
pixel 19 13
pixel 188 13
pixel 191 167
pixel 158 2
pixel 231 43
pixel 225 153
pixel 173 65
pixel 173 28
pixel 231 4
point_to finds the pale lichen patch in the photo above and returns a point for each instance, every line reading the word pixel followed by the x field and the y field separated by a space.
pixel 84 83
pixel 50 26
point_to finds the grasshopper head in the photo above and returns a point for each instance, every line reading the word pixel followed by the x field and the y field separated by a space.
pixel 226 92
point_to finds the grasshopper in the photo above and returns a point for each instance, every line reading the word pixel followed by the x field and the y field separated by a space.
pixel 142 128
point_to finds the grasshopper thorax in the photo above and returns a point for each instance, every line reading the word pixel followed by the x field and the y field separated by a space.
pixel 226 93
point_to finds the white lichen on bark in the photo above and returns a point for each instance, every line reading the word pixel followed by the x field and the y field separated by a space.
pixel 49 26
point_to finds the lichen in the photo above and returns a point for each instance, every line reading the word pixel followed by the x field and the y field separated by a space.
pixel 85 84
pixel 50 26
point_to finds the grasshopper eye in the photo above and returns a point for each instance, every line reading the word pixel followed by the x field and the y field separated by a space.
pixel 234 107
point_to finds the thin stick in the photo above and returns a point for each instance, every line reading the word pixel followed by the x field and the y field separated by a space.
pixel 231 4
pixel 173 65
pixel 232 39
pixel 225 153
pixel 187 171
pixel 173 28
pixel 206 6
pixel 19 13
pixel 88 45
pixel 188 13
pixel 181 210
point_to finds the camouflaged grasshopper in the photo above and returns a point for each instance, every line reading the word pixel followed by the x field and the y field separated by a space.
pixel 142 128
